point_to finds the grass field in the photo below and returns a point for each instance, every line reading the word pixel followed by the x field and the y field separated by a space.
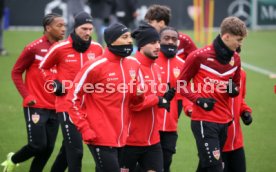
pixel 260 138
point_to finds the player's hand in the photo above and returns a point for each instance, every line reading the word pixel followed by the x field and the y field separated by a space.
pixel 163 103
pixel 232 89
pixel 58 88
pixel 170 93
pixel 29 100
pixel 206 103
pixel 88 136
pixel 246 118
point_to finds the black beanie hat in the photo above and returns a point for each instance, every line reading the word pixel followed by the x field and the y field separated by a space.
pixel 145 34
pixel 82 18
pixel 114 31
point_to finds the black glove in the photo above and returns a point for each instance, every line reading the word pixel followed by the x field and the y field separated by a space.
pixel 232 89
pixel 170 93
pixel 246 118
pixel 163 103
pixel 206 103
pixel 58 88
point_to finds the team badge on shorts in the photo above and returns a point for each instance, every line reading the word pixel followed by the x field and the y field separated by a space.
pixel 216 154
pixel 176 72
pixel 35 118
pixel 90 56
pixel 132 73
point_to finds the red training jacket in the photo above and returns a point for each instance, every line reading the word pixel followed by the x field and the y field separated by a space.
pixel 186 46
pixel 68 62
pixel 170 71
pixel 209 80
pixel 103 82
pixel 144 125
pixel 33 85
pixel 234 136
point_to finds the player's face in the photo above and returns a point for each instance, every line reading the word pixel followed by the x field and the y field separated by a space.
pixel 157 25
pixel 169 37
pixel 57 28
pixel 233 41
pixel 151 50
pixel 124 39
pixel 84 31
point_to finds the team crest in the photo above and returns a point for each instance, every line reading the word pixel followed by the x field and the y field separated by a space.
pixel 176 72
pixel 232 61
pixel 35 118
pixel 91 56
pixel 216 154
pixel 132 73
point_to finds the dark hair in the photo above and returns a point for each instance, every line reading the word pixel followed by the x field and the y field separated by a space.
pixel 168 28
pixel 159 13
pixel 48 19
pixel 233 25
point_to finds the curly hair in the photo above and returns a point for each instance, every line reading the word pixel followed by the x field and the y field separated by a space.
pixel 158 13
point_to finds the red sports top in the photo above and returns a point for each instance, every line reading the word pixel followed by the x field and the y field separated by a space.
pixel 234 136
pixel 186 46
pixel 68 63
pixel 210 79
pixel 170 71
pixel 144 125
pixel 33 85
pixel 107 104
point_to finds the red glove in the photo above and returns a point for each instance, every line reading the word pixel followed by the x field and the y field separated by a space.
pixel 29 101
pixel 88 136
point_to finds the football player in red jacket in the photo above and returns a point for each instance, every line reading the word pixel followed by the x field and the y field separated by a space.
pixel 109 86
pixel 39 105
pixel 159 17
pixel 143 143
pixel 170 66
pixel 69 56
pixel 233 155
pixel 215 71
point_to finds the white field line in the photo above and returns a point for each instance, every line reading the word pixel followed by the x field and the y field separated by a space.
pixel 259 70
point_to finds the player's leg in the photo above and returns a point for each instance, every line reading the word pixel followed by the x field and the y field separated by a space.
pixel 208 146
pixel 60 163
pixel 238 163
pixel 73 144
pixel 130 156
pixel 106 158
pixel 168 144
pixel 51 125
pixel 35 122
pixel 152 159
pixel 226 158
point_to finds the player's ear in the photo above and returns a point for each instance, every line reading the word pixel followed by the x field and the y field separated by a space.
pixel 48 28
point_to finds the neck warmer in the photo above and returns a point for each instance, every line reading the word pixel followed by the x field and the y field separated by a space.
pixel 121 50
pixel 168 50
pixel 223 53
pixel 78 44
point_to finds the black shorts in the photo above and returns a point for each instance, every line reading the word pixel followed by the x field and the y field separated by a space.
pixel 210 138
pixel 106 158
pixel 148 157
